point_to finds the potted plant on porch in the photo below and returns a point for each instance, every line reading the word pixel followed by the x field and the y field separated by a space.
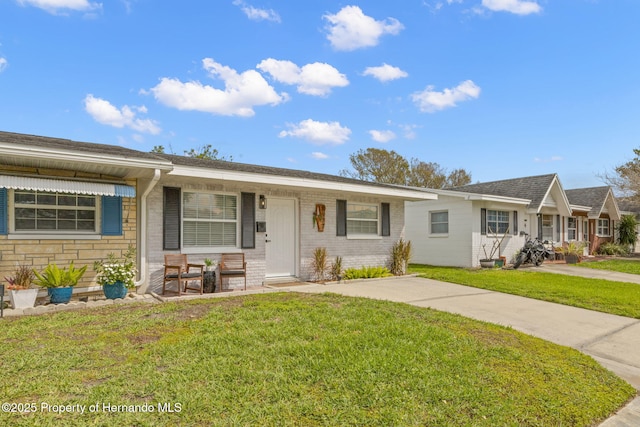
pixel 21 294
pixel 117 276
pixel 572 251
pixel 59 281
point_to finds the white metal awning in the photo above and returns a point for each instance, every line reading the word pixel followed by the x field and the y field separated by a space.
pixel 66 186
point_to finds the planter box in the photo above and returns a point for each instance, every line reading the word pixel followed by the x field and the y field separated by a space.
pixel 487 263
pixel 571 259
pixel 23 298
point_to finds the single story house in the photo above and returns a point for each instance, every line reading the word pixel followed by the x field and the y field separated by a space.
pixel 465 223
pixel 594 215
pixel 63 201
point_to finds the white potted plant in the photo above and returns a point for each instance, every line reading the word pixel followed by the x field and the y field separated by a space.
pixel 21 293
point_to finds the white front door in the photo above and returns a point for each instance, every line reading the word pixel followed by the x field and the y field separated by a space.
pixel 280 238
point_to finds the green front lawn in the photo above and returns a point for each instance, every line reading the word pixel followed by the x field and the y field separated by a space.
pixel 593 294
pixel 293 359
pixel 619 265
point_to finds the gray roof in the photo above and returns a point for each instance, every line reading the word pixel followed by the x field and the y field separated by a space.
pixel 67 144
pixel 593 197
pixel 266 170
pixel 628 204
pixel 533 188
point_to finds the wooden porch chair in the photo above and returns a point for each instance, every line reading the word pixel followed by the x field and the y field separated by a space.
pixel 233 265
pixel 178 269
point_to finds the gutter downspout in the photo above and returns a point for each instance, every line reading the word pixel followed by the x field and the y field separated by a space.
pixel 142 248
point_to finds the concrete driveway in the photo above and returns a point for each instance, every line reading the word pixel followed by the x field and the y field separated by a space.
pixel 614 341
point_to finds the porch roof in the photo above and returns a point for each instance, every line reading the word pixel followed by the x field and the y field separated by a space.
pixel 256 174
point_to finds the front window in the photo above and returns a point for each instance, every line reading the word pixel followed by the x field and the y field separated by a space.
pixel 54 212
pixel 439 222
pixel 362 219
pixel 547 227
pixel 572 229
pixel 209 220
pixel 603 227
pixel 497 221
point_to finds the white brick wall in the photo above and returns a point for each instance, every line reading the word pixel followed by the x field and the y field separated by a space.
pixel 355 253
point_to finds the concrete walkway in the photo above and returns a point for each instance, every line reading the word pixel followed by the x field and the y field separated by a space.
pixel 614 341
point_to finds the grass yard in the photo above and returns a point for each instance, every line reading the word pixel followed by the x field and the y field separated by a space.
pixel 619 265
pixel 293 359
pixel 594 294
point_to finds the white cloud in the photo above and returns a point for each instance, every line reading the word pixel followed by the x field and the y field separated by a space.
pixel 318 132
pixel 3 64
pixel 409 131
pixel 519 7
pixel 106 113
pixel 242 92
pixel 256 14
pixel 319 156
pixel 382 135
pixel 430 101
pixel 351 29
pixel 385 72
pixel 59 6
pixel 312 79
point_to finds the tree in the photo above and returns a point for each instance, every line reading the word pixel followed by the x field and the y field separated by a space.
pixel 389 167
pixel 159 149
pixel 458 178
pixel 378 165
pixel 625 178
pixel 207 152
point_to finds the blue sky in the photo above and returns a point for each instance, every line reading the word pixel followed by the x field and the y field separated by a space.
pixel 501 88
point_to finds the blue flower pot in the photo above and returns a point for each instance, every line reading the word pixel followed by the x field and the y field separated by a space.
pixel 115 290
pixel 60 295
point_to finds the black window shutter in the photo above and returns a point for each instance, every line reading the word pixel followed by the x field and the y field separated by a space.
pixel 386 219
pixel 111 216
pixel 247 230
pixel 341 217
pixel 171 218
pixel 483 221
pixel 558 222
pixel 540 226
pixel 515 223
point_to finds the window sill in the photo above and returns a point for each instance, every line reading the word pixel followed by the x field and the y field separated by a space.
pixel 211 250
pixel 438 235
pixel 24 236
pixel 363 237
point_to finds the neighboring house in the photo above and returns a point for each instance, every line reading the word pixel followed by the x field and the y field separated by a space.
pixel 63 201
pixel 464 222
pixel 594 215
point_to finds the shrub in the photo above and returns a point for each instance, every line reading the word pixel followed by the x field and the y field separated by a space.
pixel 336 269
pixel 319 264
pixel 366 273
pixel 610 248
pixel 627 230
pixel 400 256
